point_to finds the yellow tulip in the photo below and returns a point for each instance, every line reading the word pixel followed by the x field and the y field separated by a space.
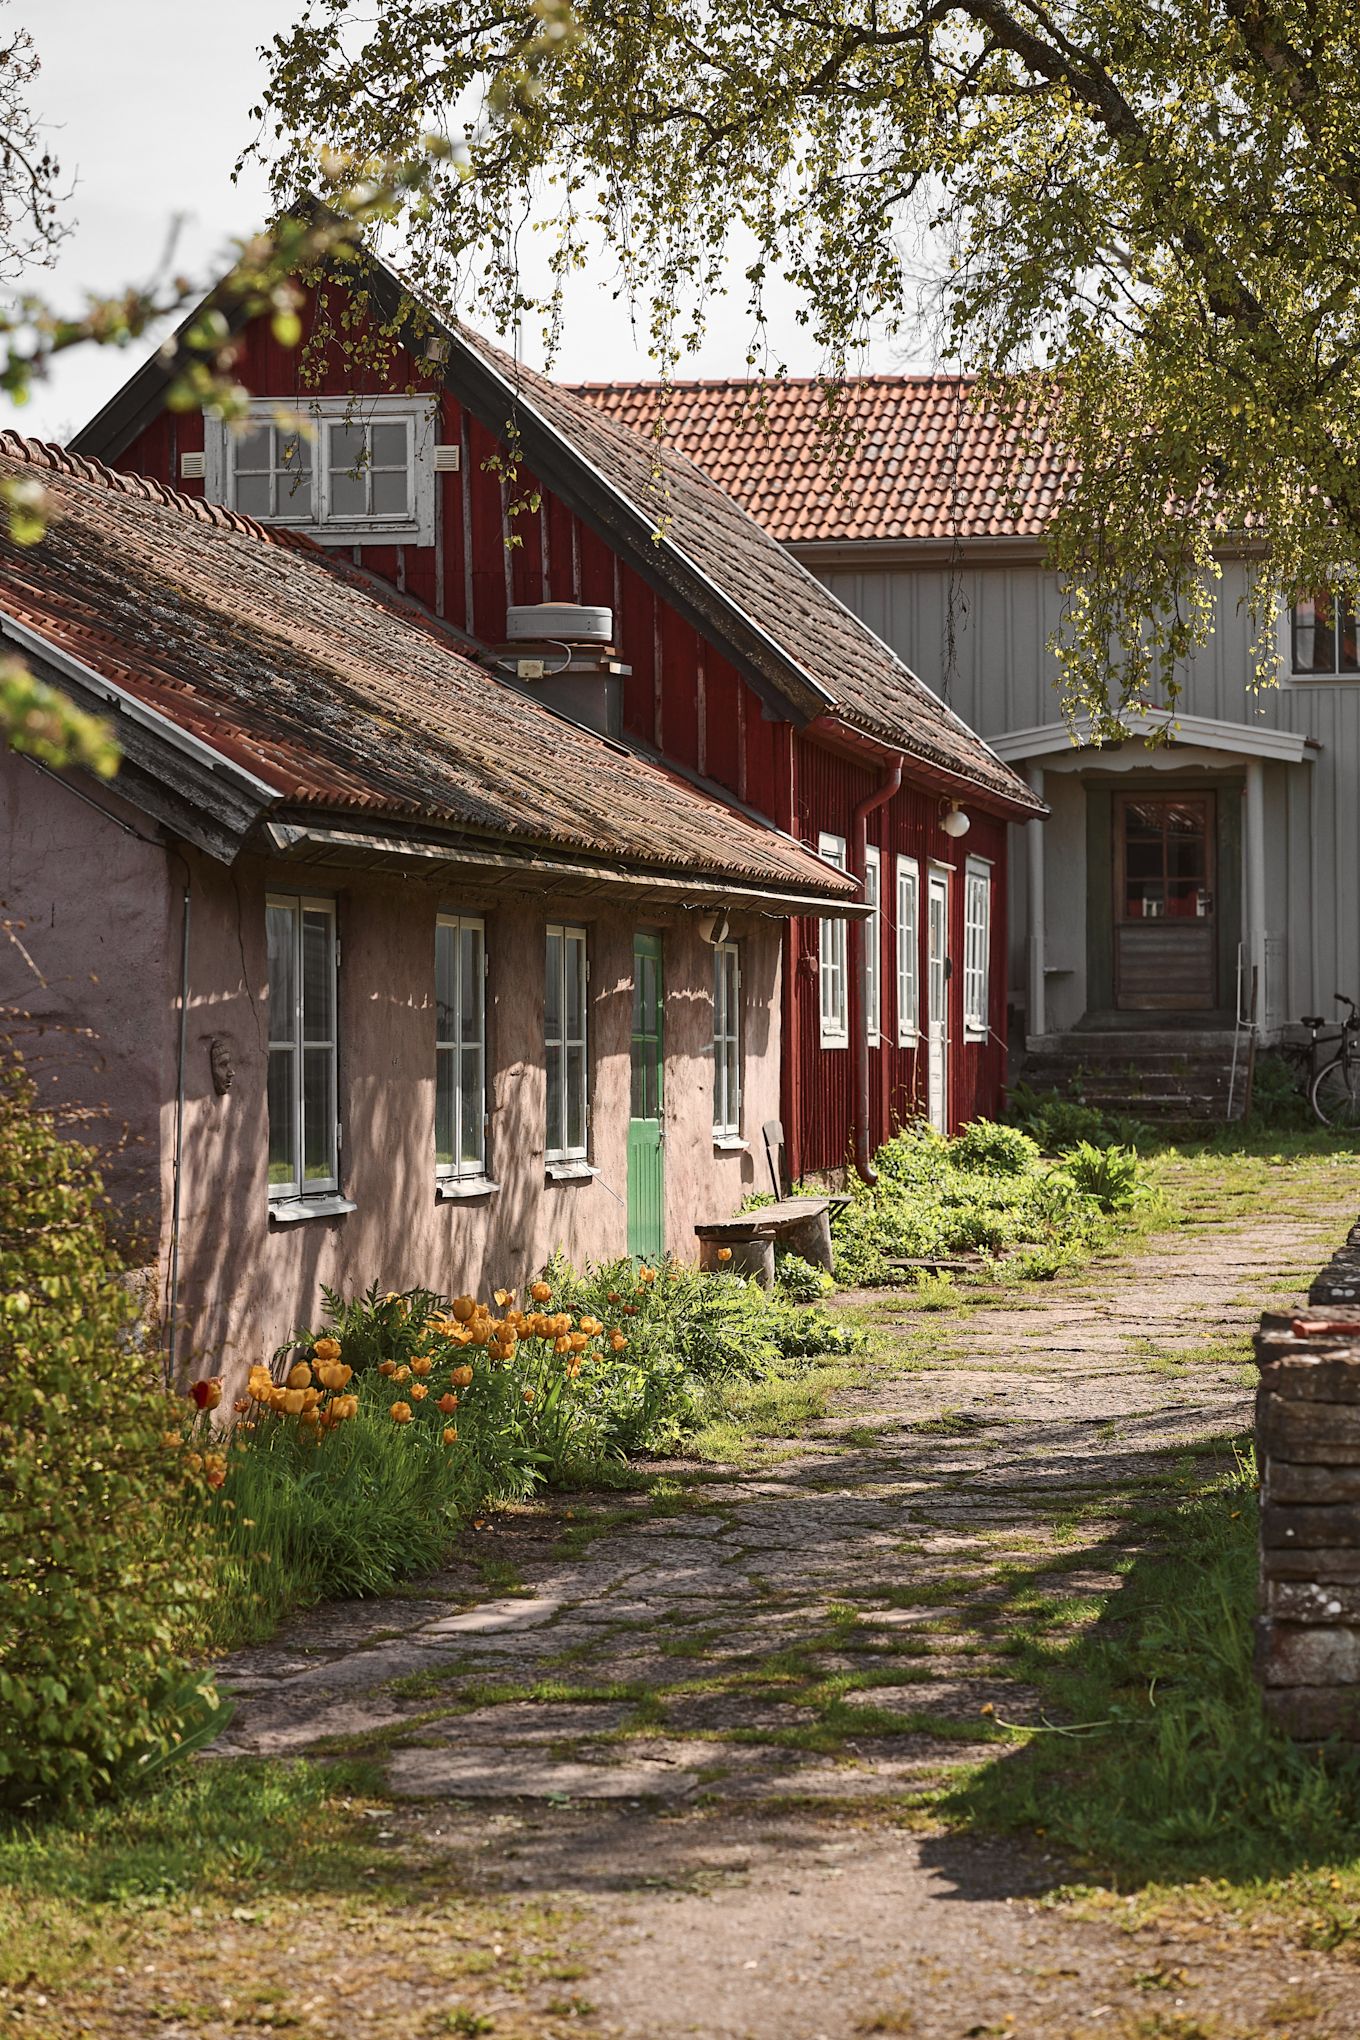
pixel 299 1376
pixel 326 1349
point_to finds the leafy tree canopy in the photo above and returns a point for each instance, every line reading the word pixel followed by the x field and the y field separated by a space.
pixel 1150 207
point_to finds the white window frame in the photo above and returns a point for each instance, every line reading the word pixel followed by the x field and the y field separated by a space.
pixel 315 416
pixel 571 1036
pixel 1300 676
pixel 977 948
pixel 727 1037
pixel 833 974
pixel 873 944
pixel 459 1172
pixel 290 1039
pixel 908 952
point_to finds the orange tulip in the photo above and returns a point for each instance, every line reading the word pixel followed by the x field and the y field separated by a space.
pixel 450 1434
pixel 617 1341
pixel 326 1349
pixel 418 1391
pixel 724 1253
pixel 400 1413
pixel 461 1377
pixel 300 1376
pixel 448 1404
pixel 421 1364
pixel 540 1291
pixel 463 1307
pixel 504 1296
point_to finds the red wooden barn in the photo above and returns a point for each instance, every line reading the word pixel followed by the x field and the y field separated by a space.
pixel 476 486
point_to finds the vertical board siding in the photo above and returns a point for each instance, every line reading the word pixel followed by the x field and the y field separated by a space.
pixel 999 620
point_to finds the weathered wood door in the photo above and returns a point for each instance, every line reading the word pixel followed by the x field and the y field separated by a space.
pixel 1165 928
pixel 646 1131
pixel 937 1001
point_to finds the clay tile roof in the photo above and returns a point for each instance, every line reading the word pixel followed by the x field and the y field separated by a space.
pixel 337 692
pixel 859 677
pixel 924 460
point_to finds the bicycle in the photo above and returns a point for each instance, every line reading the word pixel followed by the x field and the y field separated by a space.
pixel 1334 1093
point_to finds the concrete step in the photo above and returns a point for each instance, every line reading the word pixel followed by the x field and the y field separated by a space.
pixel 1132 1044
pixel 1156 1074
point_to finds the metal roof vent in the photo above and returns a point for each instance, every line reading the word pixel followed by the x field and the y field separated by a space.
pixel 567 623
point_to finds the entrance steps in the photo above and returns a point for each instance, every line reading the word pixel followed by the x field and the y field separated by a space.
pixel 1159 1074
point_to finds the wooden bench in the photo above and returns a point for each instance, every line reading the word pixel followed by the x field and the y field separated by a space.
pixel 800 1225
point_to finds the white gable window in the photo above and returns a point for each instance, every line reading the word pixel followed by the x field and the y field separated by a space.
pixel 460 1052
pixel 564 1043
pixel 346 470
pixel 873 943
pixel 908 952
pixel 977 944
pixel 832 971
pixel 304 1159
pixel 726 1041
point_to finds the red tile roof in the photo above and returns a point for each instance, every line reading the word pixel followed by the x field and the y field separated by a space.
pixel 924 462
pixel 338 692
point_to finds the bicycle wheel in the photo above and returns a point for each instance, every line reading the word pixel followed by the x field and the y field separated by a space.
pixel 1335 1096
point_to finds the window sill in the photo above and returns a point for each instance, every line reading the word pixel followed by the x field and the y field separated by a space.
pixel 975 1033
pixel 289 1210
pixel 835 1041
pixel 455 1189
pixel 572 1170
pixel 731 1144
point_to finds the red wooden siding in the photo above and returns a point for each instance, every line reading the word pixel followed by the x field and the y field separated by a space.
pixel 819 1083
pixel 689 702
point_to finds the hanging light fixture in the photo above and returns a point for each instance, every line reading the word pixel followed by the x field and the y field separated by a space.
pixel 954 821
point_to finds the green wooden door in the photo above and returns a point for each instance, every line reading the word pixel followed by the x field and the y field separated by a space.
pixel 646 1138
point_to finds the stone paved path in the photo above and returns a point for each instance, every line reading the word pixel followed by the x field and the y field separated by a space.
pixel 713 1735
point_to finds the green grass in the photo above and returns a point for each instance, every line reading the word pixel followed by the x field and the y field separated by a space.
pixel 1161 1767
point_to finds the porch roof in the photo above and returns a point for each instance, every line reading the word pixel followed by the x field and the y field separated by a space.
pixel 1166 729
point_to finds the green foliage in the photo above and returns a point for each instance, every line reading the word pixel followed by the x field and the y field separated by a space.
pixel 1144 221
pixel 102 1572
pixel 1057 1122
pixel 36 719
pixel 1178 1774
pixel 1110 1175
pixel 315 1507
pixel 988 1191
pixel 799 1281
pixel 986 1149
pixel 1279 1096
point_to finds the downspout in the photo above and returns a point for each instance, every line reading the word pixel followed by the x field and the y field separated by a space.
pixel 173 1326
pixel 882 793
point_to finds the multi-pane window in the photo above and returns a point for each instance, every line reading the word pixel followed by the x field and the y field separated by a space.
pixel 908 951
pixel 873 943
pixel 303 1130
pixel 835 1028
pixel 726 1039
pixel 1323 636
pixel 272 475
pixel 564 1042
pixel 977 939
pixel 346 470
pixel 460 1048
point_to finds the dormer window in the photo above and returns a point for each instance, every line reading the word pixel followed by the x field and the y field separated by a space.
pixel 1322 636
pixel 352 471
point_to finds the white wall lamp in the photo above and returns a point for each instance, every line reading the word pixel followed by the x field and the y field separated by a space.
pixel 954 821
pixel 713 928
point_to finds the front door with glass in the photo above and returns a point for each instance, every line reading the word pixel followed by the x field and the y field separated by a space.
pixel 1165 932
pixel 937 1008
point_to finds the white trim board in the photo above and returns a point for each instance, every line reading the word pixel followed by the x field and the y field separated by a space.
pixel 1245 740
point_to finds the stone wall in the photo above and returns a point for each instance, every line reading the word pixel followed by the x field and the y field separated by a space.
pixel 1308 1449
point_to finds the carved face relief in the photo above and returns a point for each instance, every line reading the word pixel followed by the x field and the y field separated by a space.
pixel 221 1064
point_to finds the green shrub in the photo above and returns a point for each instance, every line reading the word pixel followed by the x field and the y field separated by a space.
pixel 1279 1095
pixel 799 1281
pixel 1110 1175
pixel 989 1192
pixel 986 1149
pixel 1057 1122
pixel 100 1578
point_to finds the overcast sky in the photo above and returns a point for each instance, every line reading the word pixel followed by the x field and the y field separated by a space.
pixel 148 103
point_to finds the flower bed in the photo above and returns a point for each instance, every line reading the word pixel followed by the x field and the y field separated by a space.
pixel 357 1454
